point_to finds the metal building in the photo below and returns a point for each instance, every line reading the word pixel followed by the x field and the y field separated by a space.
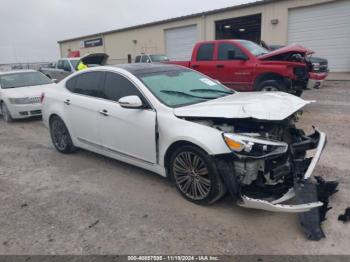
pixel 321 25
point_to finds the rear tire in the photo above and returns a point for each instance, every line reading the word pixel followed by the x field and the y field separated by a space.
pixel 271 86
pixel 195 175
pixel 60 136
pixel 6 115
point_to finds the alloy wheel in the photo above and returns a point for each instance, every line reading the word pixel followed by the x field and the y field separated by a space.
pixel 191 175
pixel 60 135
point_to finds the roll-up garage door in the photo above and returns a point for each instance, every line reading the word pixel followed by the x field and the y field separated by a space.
pixel 180 42
pixel 325 29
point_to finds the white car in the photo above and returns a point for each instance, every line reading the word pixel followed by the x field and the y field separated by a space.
pixel 20 93
pixel 181 124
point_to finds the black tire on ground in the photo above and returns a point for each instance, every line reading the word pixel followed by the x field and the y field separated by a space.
pixel 60 136
pixel 6 115
pixel 271 85
pixel 195 175
pixel 299 93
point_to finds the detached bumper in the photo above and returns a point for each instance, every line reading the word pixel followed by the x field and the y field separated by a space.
pixel 303 169
pixel 310 196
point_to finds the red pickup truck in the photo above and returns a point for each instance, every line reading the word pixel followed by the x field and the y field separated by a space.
pixel 245 66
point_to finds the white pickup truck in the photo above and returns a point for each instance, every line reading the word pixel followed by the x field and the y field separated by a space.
pixel 66 66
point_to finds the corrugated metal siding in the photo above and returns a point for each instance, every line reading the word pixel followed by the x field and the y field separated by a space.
pixel 326 30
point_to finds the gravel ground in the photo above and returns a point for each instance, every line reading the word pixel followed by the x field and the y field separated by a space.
pixel 88 204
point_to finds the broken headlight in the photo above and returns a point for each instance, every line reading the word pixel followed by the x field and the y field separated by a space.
pixel 245 146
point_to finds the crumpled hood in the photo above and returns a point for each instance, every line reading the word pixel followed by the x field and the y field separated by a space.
pixel 275 106
pixel 28 91
pixel 294 48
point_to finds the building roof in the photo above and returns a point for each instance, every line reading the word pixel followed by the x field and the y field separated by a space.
pixel 256 3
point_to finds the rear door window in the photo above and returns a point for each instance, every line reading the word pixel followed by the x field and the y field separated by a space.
pixel 90 84
pixel 118 86
pixel 138 59
pixel 205 52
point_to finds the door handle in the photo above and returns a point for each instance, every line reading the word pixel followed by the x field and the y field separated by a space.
pixel 220 66
pixel 104 112
pixel 67 102
pixel 195 66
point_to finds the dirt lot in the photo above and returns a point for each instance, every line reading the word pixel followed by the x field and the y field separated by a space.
pixel 88 204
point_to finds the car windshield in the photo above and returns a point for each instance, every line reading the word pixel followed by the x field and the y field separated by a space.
pixel 159 58
pixel 74 63
pixel 13 80
pixel 253 48
pixel 182 87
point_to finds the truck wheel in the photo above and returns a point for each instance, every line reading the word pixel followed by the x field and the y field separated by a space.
pixel 299 93
pixel 196 176
pixel 6 113
pixel 271 85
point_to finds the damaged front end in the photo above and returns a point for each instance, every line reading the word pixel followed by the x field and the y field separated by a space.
pixel 270 165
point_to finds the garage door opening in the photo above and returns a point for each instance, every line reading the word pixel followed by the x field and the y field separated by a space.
pixel 245 27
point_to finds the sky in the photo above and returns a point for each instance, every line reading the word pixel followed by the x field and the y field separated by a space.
pixel 30 29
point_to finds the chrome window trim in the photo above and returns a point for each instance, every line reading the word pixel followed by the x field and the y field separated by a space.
pixel 104 99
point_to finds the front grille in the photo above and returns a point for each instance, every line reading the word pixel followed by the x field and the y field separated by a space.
pixel 34 100
pixel 35 112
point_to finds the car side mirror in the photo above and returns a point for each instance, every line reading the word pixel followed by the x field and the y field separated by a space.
pixel 54 81
pixel 130 102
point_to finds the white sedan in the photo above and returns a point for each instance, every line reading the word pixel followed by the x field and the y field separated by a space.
pixel 181 124
pixel 20 93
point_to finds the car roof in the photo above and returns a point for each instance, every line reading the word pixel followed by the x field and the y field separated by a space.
pixel 141 68
pixel 17 71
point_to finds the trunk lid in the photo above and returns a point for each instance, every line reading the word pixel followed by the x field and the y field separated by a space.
pixel 98 59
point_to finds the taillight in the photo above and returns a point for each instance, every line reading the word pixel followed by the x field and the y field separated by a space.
pixel 42 97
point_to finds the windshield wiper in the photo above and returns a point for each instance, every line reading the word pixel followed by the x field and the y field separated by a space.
pixel 212 90
pixel 184 94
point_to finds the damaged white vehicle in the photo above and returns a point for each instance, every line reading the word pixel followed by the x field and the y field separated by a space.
pixel 209 139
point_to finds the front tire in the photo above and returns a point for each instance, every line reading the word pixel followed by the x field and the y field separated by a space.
pixel 60 136
pixel 6 113
pixel 195 175
pixel 271 86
